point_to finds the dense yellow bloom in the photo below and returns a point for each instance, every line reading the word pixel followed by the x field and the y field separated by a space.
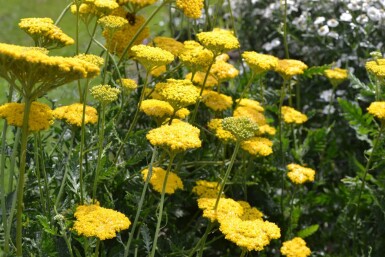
pixel 253 104
pixel 112 22
pixel 91 58
pixel 95 7
pixel 156 108
pixel 45 33
pixel 243 128
pixel 206 189
pixel 127 84
pixel 260 63
pixel 291 115
pixel 336 76
pixel 191 8
pixel 215 125
pixel 250 213
pixel 151 57
pixel 295 248
pixel 140 3
pixel 157 179
pixel 73 114
pixel 249 234
pixel 195 57
pixel 377 109
pixel 223 71
pixel 251 113
pixel 376 67
pixel 158 71
pixel 168 44
pixel 222 57
pixel 218 40
pixel 258 146
pixel 179 93
pixel 105 93
pixel 177 137
pixel 299 174
pixel 288 68
pixel 266 129
pixel 199 78
pixel 40 115
pixel 226 207
pixel 216 101
pixel 95 221
pixel 182 113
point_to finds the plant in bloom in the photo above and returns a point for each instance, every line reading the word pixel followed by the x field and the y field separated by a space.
pixel 195 57
pixel 151 57
pixel 216 101
pixel 251 113
pixel 158 177
pixel 250 103
pixel 215 125
pixel 128 85
pixel 206 189
pixel 112 22
pixel 377 109
pixel 243 128
pixel 250 213
pixel 258 146
pixel 226 207
pixel 91 58
pixel 105 93
pixel 376 67
pixel 169 44
pixel 40 116
pixel 288 68
pixel 299 174
pixel 139 3
pixel 260 63
pixel 295 247
pixel 290 115
pixel 223 70
pixel 199 78
pixel 336 76
pixel 73 114
pixel 218 41
pixel 191 8
pixel 95 221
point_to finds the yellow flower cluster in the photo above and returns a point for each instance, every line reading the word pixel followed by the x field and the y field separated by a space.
pixel 206 189
pixel 215 125
pixel 158 71
pixel 250 213
pixel 258 146
pixel 376 67
pixel 191 8
pixel 151 57
pixel 91 58
pixel 177 137
pixel 105 93
pixel 73 114
pixel 336 76
pixel 199 78
pixel 195 57
pixel 179 93
pixel 288 68
pixel 168 44
pixel 260 63
pixel 218 40
pixel 90 8
pixel 216 101
pixel 45 33
pixel 139 3
pixel 226 207
pixel 291 115
pixel 295 248
pixel 157 179
pixel 266 129
pixel 40 116
pixel 251 113
pixel 127 84
pixel 250 103
pixel 242 128
pixel 112 22
pixel 223 71
pixel 95 221
pixel 377 109
pixel 299 174
pixel 160 110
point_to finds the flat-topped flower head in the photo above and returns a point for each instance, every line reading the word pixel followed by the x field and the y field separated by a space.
pixel 336 76
pixel 45 33
pixel 177 137
pixel 215 125
pixel 242 128
pixel 219 40
pixel 90 8
pixel 266 130
pixel 40 115
pixel 216 101
pixel 250 103
pixel 168 44
pixel 91 58
pixel 288 68
pixel 138 3
pixel 95 221
pixel 206 189
pixel 258 146
pixel 295 247
pixel 251 113
pixel 191 8
pixel 250 213
pixel 158 177
pixel 151 57
pixel 260 63
pixel 199 78
pixel 195 57
pixel 290 115
pixel 223 71
pixel 179 93
pixel 128 85
pixel 156 108
pixel 73 114
pixel 299 174
pixel 377 109
pixel 376 67
pixel 226 207
pixel 112 22
pixel 105 94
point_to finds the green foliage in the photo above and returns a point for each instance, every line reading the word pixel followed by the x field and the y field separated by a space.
pixel 308 231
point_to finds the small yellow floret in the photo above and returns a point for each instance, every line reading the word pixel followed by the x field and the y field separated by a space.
pixel 260 63
pixel 191 8
pixel 258 146
pixel 73 114
pixel 336 76
pixel 216 101
pixel 288 68
pixel 219 40
pixel 295 248
pixel 291 115
pixel 157 179
pixel 151 57
pixel 105 93
pixel 299 174
pixel 377 109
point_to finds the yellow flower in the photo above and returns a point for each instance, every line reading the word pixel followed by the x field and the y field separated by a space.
pixel 40 116
pixel 218 40
pixel 250 213
pixel 151 57
pixel 299 174
pixel 158 177
pixel 258 146
pixel 291 115
pixel 127 84
pixel 195 57
pixel 377 109
pixel 139 3
pixel 90 8
pixel 216 101
pixel 73 114
pixel 288 68
pixel 251 113
pixel 177 137
pixel 226 207
pixel 244 102
pixel 243 128
pixel 215 125
pixel 168 44
pixel 336 76
pixel 91 58
pixel 295 248
pixel 95 221
pixel 260 63
pixel 206 189
pixel 112 22
pixel 158 71
pixel 182 113
pixel 376 67
pixel 156 108
pixel 190 8
pixel 266 129
pixel 105 93
pixel 223 71
pixel 199 78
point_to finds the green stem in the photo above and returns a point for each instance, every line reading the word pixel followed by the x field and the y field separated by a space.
pixel 37 168
pixel 289 232
pixel 97 248
pixel 206 9
pixel 140 205
pixel 298 96
pixel 161 204
pixel 245 89
pixel 282 159
pixel 243 253
pixel 21 182
pixel 63 13
pixel 285 31
pixel 42 161
pixel 100 151
pixel 92 37
pixel 202 240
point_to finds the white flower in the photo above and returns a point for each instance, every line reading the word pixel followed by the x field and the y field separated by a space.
pixel 333 34
pixel 353 6
pixel 324 30
pixel 319 20
pixel 362 19
pixel 373 13
pixel 346 17
pixel 382 2
pixel 332 23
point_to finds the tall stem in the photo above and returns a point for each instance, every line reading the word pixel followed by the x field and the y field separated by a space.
pixel 100 151
pixel 288 235
pixel 282 159
pixel 245 89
